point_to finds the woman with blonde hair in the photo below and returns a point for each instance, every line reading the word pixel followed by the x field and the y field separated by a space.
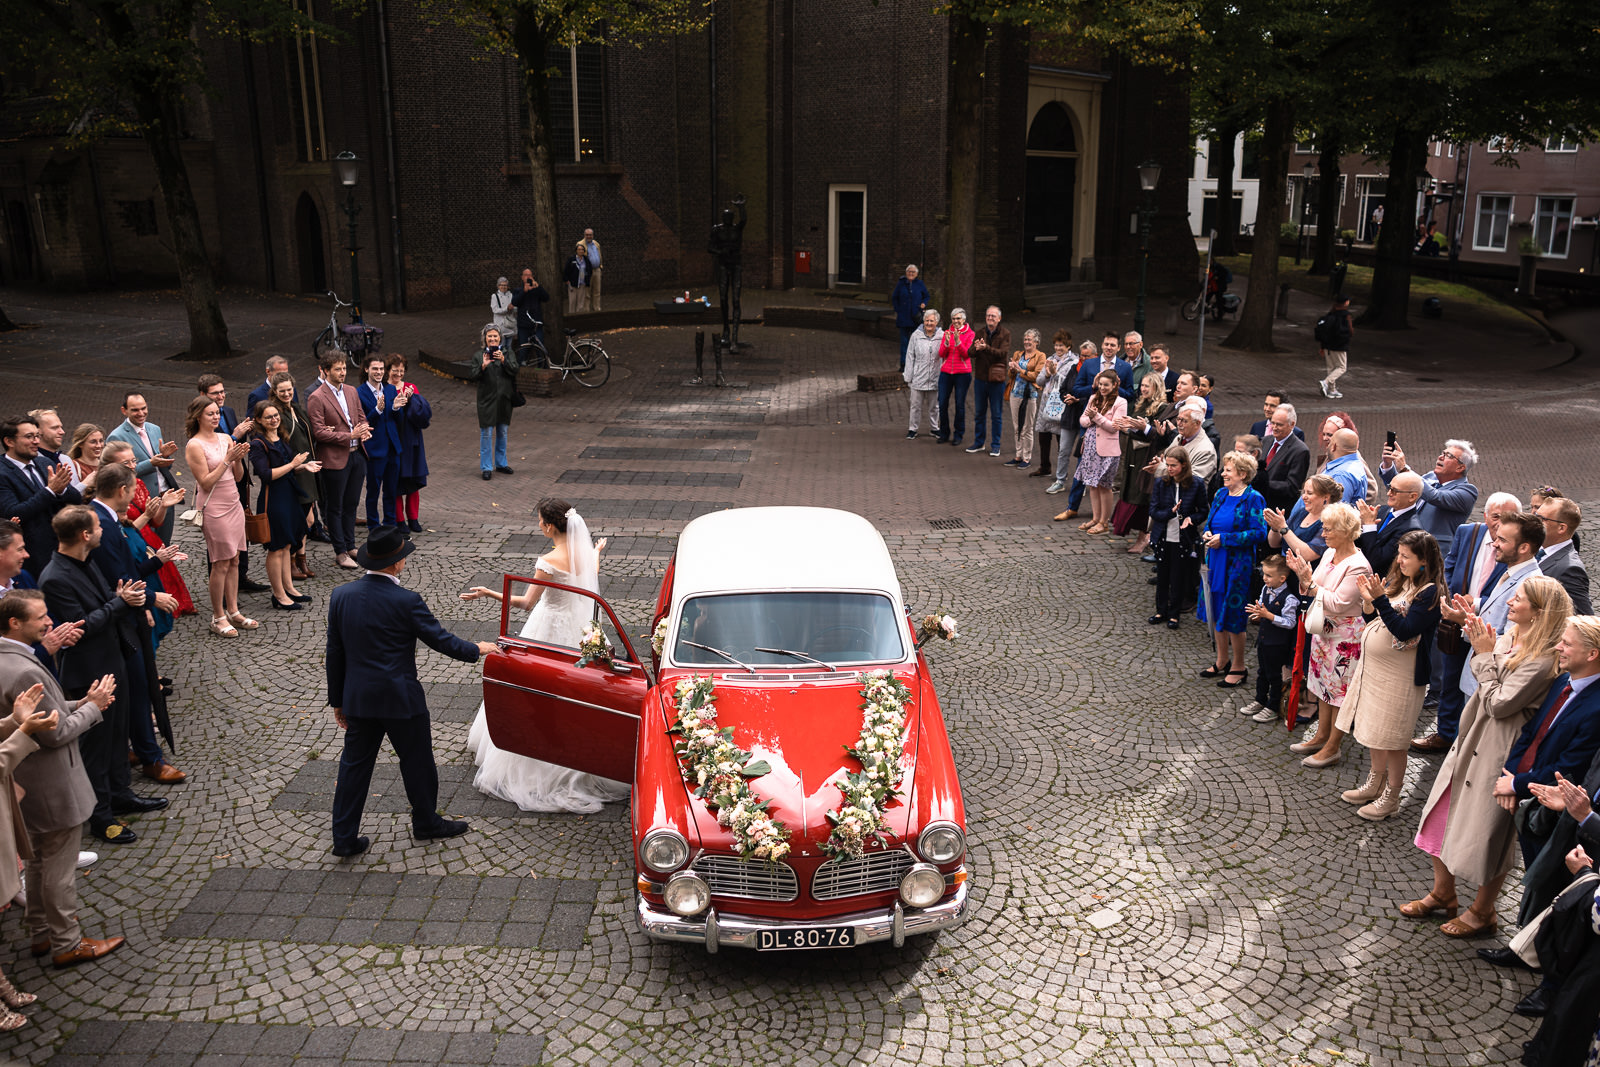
pixel 1097 467
pixel 87 442
pixel 1336 646
pixel 1464 829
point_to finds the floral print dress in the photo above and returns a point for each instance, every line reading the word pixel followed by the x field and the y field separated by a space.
pixel 1335 653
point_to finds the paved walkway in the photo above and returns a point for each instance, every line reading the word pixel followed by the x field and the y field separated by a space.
pixel 1256 913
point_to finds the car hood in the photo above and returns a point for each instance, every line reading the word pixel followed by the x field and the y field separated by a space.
pixel 802 731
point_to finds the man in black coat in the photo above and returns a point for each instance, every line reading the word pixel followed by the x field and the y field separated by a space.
pixel 1285 459
pixel 374 625
pixel 32 491
pixel 74 589
pixel 1380 536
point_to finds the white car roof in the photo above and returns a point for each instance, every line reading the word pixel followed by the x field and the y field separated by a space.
pixel 749 549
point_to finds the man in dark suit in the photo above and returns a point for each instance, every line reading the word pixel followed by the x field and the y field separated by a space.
pixel 1380 536
pixel 57 796
pixel 1559 557
pixel 75 589
pixel 1285 459
pixel 31 491
pixel 383 448
pixel 13 554
pixel 374 625
pixel 212 386
pixel 1263 426
pixel 114 488
pixel 264 390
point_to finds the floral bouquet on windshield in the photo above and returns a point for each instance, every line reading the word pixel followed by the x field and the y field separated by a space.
pixel 940 625
pixel 593 646
pixel 658 638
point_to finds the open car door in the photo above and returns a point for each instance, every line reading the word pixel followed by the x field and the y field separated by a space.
pixel 538 702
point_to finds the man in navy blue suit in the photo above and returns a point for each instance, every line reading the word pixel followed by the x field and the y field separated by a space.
pixel 374 625
pixel 383 447
pixel 32 491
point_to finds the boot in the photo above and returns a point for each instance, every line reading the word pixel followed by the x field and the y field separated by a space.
pixel 1369 790
pixel 1386 805
pixel 302 569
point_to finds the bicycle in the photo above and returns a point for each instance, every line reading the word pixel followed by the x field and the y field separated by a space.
pixel 584 358
pixel 355 341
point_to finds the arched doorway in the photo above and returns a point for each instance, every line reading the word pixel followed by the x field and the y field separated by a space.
pixel 1049 196
pixel 309 246
pixel 19 236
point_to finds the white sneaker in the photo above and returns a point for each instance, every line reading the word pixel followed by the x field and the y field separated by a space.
pixel 1266 715
pixel 1056 487
pixel 1335 395
pixel 1325 390
pixel 1250 708
pixel 88 859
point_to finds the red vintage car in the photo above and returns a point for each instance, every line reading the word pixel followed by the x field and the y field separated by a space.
pixel 793 785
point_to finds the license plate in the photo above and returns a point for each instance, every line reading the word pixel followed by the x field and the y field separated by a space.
pixel 815 937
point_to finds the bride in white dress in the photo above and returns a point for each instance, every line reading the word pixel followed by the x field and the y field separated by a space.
pixel 557 618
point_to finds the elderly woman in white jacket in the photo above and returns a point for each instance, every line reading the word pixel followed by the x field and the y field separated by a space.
pixel 922 373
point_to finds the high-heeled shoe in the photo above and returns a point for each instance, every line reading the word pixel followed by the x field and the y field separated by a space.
pixel 291 606
pixel 1317 764
pixel 1225 684
pixel 1429 905
pixel 1215 671
pixel 13 997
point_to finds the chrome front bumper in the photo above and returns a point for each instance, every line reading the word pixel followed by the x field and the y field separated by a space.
pixel 739 931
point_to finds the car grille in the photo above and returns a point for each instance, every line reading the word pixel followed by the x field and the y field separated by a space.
pixel 730 876
pixel 876 872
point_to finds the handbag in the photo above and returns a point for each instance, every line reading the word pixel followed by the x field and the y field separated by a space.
pixel 257 528
pixel 1316 618
pixel 1449 639
pixel 1125 516
pixel 1054 407
pixel 517 399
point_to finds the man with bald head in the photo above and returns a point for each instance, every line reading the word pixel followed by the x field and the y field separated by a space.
pixel 1380 534
pixel 1346 466
pixel 1468 568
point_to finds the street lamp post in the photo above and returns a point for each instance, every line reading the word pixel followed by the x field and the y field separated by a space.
pixel 1149 175
pixel 1305 209
pixel 349 171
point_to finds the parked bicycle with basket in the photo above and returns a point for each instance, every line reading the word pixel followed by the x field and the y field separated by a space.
pixel 356 339
pixel 584 358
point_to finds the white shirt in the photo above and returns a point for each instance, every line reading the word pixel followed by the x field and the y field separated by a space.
pixel 344 407
pixel 1548 550
pixel 395 578
pixel 25 468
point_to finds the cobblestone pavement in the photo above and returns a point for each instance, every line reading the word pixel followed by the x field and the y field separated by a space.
pixel 1255 919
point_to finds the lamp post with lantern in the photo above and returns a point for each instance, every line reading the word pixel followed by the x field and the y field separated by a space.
pixel 348 169
pixel 1149 176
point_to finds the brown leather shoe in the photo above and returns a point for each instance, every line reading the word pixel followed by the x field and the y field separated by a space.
pixel 41 947
pixel 162 772
pixel 1431 743
pixel 89 948
pixel 302 569
pixel 133 758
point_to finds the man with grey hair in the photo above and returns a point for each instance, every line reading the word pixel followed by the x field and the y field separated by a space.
pixel 1284 462
pixel 909 300
pixel 1447 497
pixel 1137 358
pixel 264 390
pixel 1468 568
pixel 990 351
pixel 1191 435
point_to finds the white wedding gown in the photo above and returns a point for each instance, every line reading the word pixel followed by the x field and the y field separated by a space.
pixel 534 785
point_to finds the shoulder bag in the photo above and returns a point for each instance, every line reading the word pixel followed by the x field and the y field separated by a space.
pixel 257 528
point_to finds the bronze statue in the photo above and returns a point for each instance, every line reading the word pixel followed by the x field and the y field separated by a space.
pixel 727 240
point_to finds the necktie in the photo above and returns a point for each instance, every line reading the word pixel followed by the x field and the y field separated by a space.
pixel 1385 521
pixel 1526 762
pixel 1539 554
pixel 33 472
pixel 1273 451
pixel 146 439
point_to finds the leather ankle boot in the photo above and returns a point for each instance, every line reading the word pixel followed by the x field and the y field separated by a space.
pixel 1371 789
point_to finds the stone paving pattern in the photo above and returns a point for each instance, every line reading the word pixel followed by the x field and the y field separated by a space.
pixel 1257 913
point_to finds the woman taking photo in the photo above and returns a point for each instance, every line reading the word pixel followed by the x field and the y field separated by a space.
pixel 921 372
pixel 1234 529
pixel 412 414
pixel 279 500
pixel 1022 393
pixel 1300 533
pixel 1384 695
pixel 1335 585
pixel 955 376
pixel 217 463
pixel 495 371
pixel 296 430
pixel 1177 504
pixel 1463 828
pixel 1097 469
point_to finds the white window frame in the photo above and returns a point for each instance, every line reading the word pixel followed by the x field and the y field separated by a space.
pixel 1556 219
pixel 1306 148
pixel 1478 244
pixel 1502 145
pixel 833 231
pixel 1559 143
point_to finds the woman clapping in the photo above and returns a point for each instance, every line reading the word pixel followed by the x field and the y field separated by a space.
pixel 279 500
pixel 1336 646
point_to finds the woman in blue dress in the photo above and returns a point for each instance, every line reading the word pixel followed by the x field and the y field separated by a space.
pixel 1234 530
pixel 280 500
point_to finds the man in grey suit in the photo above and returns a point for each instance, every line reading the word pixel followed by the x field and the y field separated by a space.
pixel 153 454
pixel 1559 557
pixel 57 794
pixel 1447 497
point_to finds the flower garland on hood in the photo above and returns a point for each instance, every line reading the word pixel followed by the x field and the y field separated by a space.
pixel 718 771
pixel 860 815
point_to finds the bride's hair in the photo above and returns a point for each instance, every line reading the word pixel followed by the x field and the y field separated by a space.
pixel 554 511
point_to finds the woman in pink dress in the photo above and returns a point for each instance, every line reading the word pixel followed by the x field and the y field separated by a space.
pixel 217 463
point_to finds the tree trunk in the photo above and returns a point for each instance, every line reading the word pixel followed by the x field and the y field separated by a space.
pixel 532 41
pixel 965 117
pixel 1391 271
pixel 208 333
pixel 1254 332
pixel 1227 225
pixel 1327 206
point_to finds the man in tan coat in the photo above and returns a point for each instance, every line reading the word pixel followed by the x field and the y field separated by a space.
pixel 57 795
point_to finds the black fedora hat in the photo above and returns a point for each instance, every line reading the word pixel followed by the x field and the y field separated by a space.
pixel 385 547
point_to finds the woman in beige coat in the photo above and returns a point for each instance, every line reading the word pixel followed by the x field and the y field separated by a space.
pixel 1464 828
pixel 17 728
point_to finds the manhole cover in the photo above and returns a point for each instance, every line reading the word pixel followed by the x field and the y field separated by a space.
pixel 947 524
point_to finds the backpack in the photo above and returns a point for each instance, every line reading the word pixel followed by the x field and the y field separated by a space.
pixel 1323 331
pixel 1333 330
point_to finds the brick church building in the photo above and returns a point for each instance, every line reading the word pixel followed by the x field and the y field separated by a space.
pixel 830 116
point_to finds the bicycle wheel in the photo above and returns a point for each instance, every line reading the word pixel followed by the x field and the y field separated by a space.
pixel 1190 311
pixel 323 342
pixel 589 363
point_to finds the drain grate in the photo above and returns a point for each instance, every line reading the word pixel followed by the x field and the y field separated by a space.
pixel 947 524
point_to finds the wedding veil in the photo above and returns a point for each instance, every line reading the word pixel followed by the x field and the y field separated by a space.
pixel 580 548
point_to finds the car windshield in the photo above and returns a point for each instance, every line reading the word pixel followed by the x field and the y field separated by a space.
pixel 836 628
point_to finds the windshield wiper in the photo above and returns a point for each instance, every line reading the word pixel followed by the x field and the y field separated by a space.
pixel 718 651
pixel 799 655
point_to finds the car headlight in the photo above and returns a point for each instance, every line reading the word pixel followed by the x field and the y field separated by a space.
pixel 663 850
pixel 922 886
pixel 942 842
pixel 687 893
